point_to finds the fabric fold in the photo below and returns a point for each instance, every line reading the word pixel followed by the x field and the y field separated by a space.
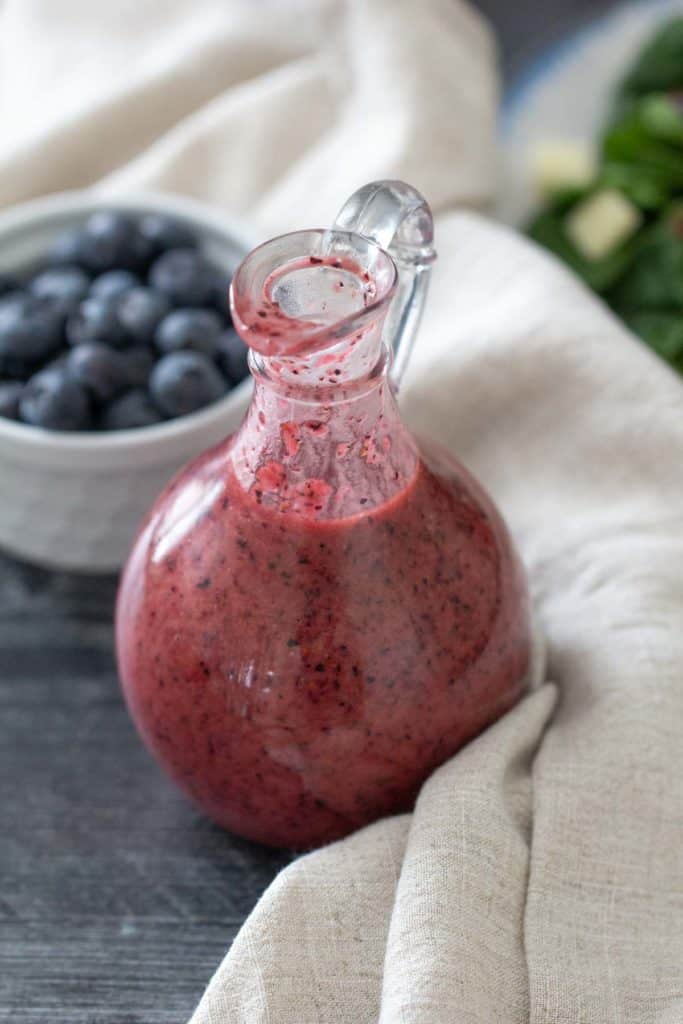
pixel 268 110
pixel 329 911
pixel 540 878
pixel 455 949
pixel 415 919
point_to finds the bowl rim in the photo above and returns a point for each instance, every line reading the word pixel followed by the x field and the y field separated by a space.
pixel 58 207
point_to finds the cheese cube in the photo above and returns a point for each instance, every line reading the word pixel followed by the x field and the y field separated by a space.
pixel 562 164
pixel 601 223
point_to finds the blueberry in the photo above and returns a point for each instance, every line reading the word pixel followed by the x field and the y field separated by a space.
pixel 140 310
pixel 183 382
pixel 18 369
pixel 232 356
pixel 184 276
pixel 53 400
pixel 60 360
pixel 8 284
pixel 12 300
pixel 113 241
pixel 11 307
pixel 197 329
pixel 163 232
pixel 10 395
pixel 132 410
pixel 14 366
pixel 138 361
pixel 31 327
pixel 113 283
pixel 96 319
pixel 66 286
pixel 99 369
pixel 68 249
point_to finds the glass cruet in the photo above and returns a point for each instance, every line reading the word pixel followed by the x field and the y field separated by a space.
pixel 320 610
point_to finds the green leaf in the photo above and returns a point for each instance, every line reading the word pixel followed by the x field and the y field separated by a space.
pixel 654 280
pixel 600 275
pixel 662 116
pixel 629 141
pixel 644 186
pixel 659 66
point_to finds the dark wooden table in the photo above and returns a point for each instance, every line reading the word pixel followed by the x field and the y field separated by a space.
pixel 117 899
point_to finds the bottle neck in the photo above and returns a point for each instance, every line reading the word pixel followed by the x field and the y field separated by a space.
pixel 322 450
pixel 331 374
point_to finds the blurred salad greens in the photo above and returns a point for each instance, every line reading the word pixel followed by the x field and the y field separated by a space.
pixel 622 229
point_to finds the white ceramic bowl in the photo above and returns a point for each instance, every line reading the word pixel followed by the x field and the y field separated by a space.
pixel 74 501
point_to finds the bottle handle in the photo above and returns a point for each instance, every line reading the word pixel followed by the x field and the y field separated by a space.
pixel 396 217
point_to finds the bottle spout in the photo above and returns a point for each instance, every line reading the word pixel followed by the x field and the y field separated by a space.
pixel 341 295
pixel 396 217
pixel 310 291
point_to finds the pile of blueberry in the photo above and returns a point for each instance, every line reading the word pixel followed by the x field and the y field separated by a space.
pixel 126 323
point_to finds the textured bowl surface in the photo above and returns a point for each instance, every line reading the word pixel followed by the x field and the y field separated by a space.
pixel 74 501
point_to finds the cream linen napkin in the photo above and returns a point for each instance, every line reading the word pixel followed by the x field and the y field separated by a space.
pixel 540 878
pixel 276 109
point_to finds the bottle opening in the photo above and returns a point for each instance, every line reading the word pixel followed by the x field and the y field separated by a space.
pixel 322 292
pixel 305 292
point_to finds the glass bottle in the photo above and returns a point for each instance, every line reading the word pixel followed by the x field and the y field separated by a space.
pixel 321 610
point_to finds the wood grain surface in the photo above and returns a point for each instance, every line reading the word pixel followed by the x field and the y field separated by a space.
pixel 117 898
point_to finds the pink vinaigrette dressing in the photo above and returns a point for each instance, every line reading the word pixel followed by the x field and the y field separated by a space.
pixel 318 612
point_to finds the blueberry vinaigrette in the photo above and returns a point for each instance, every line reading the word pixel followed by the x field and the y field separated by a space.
pixel 320 610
